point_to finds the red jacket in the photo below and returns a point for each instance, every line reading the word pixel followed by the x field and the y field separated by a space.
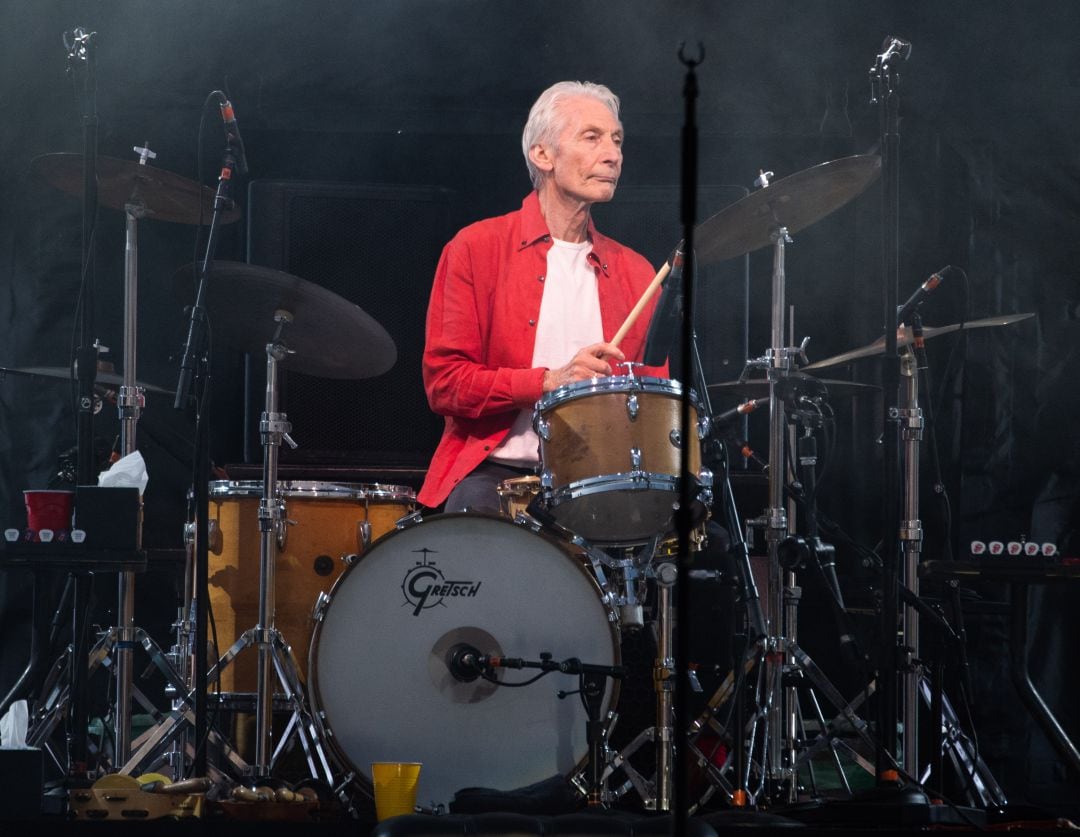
pixel 481 327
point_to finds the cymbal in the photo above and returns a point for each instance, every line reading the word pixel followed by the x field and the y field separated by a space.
pixel 328 337
pixel 793 386
pixel 904 338
pixel 793 202
pixel 162 195
pixel 103 377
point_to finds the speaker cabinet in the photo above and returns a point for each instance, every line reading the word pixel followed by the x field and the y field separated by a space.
pixel 375 246
pixel 378 246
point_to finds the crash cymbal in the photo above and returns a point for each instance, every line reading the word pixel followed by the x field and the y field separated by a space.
pixel 329 337
pixel 793 202
pixel 163 196
pixel 104 377
pixel 793 386
pixel 904 338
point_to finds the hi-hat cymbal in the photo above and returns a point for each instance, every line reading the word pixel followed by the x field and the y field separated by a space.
pixel 160 195
pixel 904 338
pixel 103 377
pixel 793 386
pixel 793 202
pixel 328 337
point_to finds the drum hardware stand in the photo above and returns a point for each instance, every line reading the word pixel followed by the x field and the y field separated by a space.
pixel 782 665
pixel 915 688
pixel 910 418
pixel 948 736
pixel 275 655
pixel 116 646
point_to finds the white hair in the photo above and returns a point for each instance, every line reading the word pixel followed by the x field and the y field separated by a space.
pixel 546 122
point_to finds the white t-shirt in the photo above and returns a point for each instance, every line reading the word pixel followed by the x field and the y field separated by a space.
pixel 569 320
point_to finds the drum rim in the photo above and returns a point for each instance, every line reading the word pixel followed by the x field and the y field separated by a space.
pixel 312 488
pixel 614 383
pixel 325 726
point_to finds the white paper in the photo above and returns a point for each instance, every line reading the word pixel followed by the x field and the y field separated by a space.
pixel 127 472
pixel 13 726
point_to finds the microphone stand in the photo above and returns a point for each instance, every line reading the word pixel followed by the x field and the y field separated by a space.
pixel 82 52
pixel 195 355
pixel 884 82
pixel 684 516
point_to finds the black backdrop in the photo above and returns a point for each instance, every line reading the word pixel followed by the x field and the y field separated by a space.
pixel 429 95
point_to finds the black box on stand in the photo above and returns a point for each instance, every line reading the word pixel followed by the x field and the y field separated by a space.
pixel 22 777
pixel 109 516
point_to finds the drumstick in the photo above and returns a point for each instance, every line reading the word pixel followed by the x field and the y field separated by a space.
pixel 657 281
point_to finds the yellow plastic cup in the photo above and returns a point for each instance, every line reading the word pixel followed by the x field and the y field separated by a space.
pixel 395 787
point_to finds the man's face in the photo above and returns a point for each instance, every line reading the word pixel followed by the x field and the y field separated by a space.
pixel 587 160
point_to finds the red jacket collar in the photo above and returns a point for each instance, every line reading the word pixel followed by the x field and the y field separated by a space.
pixel 534 230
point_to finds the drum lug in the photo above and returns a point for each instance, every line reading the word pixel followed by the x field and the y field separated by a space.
pixel 283 531
pixel 547 479
pixel 542 427
pixel 318 611
pixel 703 427
pixel 213 536
pixel 410 519
pixel 705 478
pixel 632 406
pixel 635 459
pixel 363 535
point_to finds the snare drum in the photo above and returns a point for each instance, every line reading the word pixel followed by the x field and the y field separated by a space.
pixel 384 678
pixel 515 494
pixel 324 522
pixel 610 450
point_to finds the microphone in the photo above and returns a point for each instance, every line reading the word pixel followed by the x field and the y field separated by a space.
pixel 894 46
pixel 921 293
pixel 232 135
pixel 742 410
pixel 464 662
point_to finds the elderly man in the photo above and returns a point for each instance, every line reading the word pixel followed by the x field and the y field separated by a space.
pixel 525 303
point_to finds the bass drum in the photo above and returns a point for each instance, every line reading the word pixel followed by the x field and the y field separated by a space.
pixel 380 680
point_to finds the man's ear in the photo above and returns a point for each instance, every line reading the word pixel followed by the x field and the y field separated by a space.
pixel 542 157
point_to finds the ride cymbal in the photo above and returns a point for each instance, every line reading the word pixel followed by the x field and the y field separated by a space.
pixel 905 338
pixel 160 195
pixel 793 202
pixel 328 337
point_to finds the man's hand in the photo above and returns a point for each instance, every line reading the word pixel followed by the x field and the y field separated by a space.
pixel 587 363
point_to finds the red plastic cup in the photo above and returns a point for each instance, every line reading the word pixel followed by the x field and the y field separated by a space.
pixel 49 509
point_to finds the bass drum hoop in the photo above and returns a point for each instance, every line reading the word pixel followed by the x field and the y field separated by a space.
pixel 310 488
pixel 356 774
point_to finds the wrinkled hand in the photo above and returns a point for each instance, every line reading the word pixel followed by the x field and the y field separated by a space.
pixel 589 362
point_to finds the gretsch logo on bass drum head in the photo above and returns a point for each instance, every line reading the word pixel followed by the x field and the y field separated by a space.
pixel 425 586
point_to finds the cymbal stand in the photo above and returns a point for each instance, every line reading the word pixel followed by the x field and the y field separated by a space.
pixel 275 656
pixel 910 418
pixel 773 729
pixel 115 647
pixel 130 403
